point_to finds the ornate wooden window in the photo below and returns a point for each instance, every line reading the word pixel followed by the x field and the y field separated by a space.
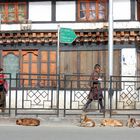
pixel 13 12
pixel 92 10
pixel 37 67
pixel 11 65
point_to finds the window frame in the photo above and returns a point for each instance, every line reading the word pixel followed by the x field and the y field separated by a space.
pixel 16 12
pixel 138 10
pixel 96 9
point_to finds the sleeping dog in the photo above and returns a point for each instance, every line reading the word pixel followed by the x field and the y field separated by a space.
pixel 111 122
pixel 132 123
pixel 28 122
pixel 86 122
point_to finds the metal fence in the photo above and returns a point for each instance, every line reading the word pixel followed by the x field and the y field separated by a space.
pixel 76 92
pixel 35 94
pixel 125 95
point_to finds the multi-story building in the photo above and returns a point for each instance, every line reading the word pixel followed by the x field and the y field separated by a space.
pixel 28 36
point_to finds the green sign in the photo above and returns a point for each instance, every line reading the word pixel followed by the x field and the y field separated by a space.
pixel 67 35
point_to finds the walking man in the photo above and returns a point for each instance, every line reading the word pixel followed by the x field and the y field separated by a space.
pixel 95 92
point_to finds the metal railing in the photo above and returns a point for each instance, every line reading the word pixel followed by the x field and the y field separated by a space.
pixel 125 96
pixel 37 94
pixel 76 92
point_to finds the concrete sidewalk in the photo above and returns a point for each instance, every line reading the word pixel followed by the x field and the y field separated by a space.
pixel 54 121
pixel 69 120
pixel 44 120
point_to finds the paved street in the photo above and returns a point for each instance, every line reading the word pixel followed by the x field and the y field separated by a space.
pixel 67 133
pixel 63 129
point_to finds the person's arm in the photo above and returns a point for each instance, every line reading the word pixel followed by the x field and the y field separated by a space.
pixel 2 78
pixel 95 78
pixel 90 81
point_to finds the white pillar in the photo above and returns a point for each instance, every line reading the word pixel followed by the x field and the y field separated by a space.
pixel 58 45
pixel 110 49
pixel 110 42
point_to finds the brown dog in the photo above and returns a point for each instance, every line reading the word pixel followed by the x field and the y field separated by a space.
pixel 86 122
pixel 111 122
pixel 28 122
pixel 131 122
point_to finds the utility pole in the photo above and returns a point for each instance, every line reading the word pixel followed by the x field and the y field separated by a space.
pixel 110 51
pixel 58 67
pixel 110 30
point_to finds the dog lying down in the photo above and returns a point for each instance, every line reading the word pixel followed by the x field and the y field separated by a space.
pixel 111 122
pixel 132 123
pixel 28 122
pixel 86 122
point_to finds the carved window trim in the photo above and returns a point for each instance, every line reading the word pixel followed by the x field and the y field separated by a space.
pixel 92 10
pixel 13 12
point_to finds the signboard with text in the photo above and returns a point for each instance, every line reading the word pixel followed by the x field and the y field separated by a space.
pixel 67 35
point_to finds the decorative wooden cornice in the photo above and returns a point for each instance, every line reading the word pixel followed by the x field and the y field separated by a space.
pixel 97 36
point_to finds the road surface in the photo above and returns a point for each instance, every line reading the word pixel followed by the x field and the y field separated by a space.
pixel 58 132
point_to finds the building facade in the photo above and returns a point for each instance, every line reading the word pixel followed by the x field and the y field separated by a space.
pixel 28 36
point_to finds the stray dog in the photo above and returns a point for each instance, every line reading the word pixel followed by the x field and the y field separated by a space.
pixel 86 122
pixel 111 122
pixel 28 122
pixel 138 125
pixel 131 122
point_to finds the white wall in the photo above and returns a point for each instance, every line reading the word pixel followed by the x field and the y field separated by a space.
pixel 76 26
pixel 121 9
pixel 128 62
pixel 77 101
pixel 40 11
pixel 65 11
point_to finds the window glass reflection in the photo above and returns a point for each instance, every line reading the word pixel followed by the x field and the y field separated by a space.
pixel 92 5
pixel 92 15
pixel 82 6
pixel 83 15
pixel 101 15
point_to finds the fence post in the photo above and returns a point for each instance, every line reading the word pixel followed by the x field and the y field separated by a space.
pixel 57 92
pixel 64 95
pixel 16 95
pixel 110 95
pixel 10 93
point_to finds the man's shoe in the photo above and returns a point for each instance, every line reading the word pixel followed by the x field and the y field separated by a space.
pixel 84 108
pixel 3 110
pixel 102 110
